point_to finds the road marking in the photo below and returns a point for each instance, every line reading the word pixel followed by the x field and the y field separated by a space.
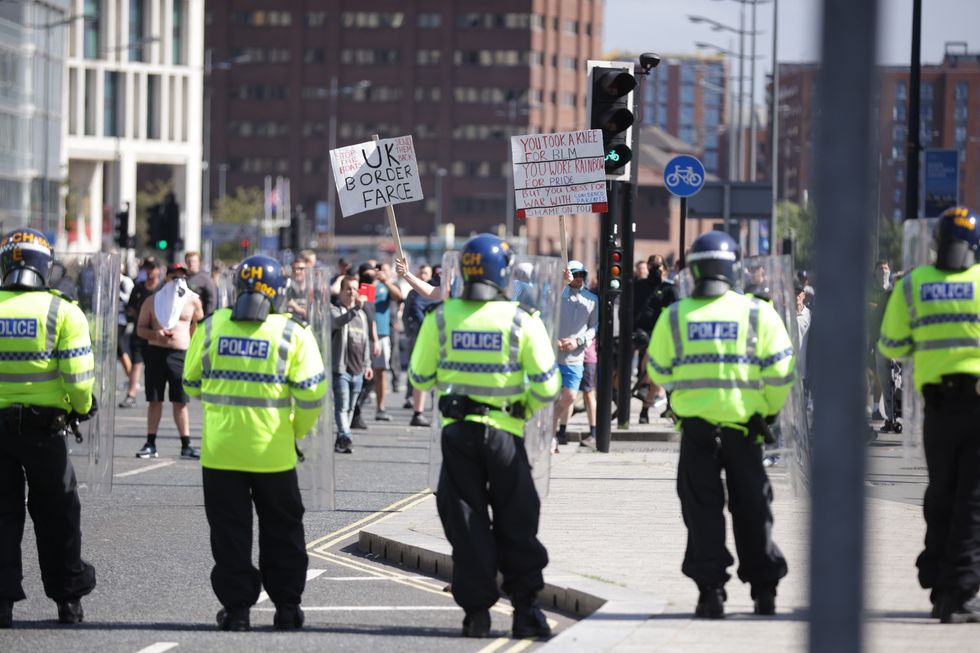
pixel 373 608
pixel 495 644
pixel 310 575
pixel 149 468
pixel 520 646
pixel 159 647
pixel 394 508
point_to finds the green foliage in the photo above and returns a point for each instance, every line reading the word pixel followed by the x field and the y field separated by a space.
pixel 798 222
pixel 245 206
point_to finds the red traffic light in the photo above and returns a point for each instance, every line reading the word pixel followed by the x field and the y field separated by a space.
pixel 245 243
pixel 616 255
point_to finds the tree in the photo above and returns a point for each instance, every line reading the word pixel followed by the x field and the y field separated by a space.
pixel 798 222
pixel 244 207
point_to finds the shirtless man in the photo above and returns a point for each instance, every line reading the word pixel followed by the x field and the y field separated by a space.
pixel 165 360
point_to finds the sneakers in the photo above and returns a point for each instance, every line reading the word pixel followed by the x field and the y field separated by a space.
pixel 189 453
pixel 419 420
pixel 770 460
pixel 562 438
pixel 357 422
pixel 765 601
pixel 529 621
pixel 876 416
pixel 128 402
pixel 382 416
pixel 711 603
pixel 6 613
pixel 953 611
pixel 476 624
pixel 644 416
pixel 289 616
pixel 660 402
pixel 342 445
pixel 233 619
pixel 587 442
pixel 891 426
pixel 70 612
pixel 148 451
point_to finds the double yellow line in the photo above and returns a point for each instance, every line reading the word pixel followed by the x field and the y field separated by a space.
pixel 320 548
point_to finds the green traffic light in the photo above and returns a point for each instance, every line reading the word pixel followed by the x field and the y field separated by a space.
pixel 161 244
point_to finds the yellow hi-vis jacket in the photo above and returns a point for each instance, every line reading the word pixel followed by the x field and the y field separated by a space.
pixel 723 358
pixel 262 387
pixel 45 352
pixel 495 352
pixel 934 316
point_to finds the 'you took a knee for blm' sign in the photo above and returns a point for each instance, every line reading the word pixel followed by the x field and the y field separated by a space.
pixel 376 174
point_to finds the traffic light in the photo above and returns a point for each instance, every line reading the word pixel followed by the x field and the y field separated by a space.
pixel 154 216
pixel 122 227
pixel 615 268
pixel 245 245
pixel 611 85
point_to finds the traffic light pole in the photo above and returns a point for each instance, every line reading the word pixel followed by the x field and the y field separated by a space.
pixel 603 411
pixel 625 360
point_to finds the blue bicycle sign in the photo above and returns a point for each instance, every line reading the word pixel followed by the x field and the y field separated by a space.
pixel 684 175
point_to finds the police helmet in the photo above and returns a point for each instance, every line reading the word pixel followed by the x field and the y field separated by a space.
pixel 578 267
pixel 955 238
pixel 25 259
pixel 260 288
pixel 712 260
pixel 486 262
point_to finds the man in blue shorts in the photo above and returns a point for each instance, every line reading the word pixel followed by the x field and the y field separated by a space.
pixel 577 322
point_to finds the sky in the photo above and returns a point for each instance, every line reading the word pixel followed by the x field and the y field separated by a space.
pixel 662 26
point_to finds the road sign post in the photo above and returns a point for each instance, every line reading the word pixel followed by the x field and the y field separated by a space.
pixel 684 177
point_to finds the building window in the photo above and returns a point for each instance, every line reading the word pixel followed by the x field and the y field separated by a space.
pixel 423 130
pixel 153 101
pixel 314 166
pixel 535 58
pixel 568 99
pixel 900 92
pixel 315 92
pixel 536 22
pixel 262 18
pixel 926 91
pixel 314 129
pixel 569 63
pixel 571 26
pixel 136 33
pixel 368 56
pixel 711 161
pixel 962 91
pixel 372 19
pixel 110 122
pixel 494 21
pixel 315 55
pixel 91 29
pixel 490 57
pixel 429 20
pixel 687 93
pixel 316 18
pixel 428 94
pixel 376 93
pixel 259 92
pixel 428 57
pixel 177 33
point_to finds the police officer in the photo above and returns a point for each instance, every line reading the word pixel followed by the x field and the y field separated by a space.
pixel 259 375
pixel 46 376
pixel 932 316
pixel 494 365
pixel 727 360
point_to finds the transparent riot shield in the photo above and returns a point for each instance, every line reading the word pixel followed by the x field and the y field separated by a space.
pixel 771 278
pixel 916 250
pixel 92 280
pixel 537 285
pixel 316 456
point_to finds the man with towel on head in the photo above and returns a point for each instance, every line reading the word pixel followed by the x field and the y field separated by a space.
pixel 167 323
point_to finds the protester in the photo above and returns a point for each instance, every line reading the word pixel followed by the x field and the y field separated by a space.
pixel 413 314
pixel 122 322
pixel 577 323
pixel 200 282
pixel 298 293
pixel 651 296
pixel 150 272
pixel 351 353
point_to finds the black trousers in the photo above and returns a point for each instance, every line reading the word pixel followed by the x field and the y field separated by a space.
pixel 951 434
pixel 228 499
pixel 481 467
pixel 706 450
pixel 41 460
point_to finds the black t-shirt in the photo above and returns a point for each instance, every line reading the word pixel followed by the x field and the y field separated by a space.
pixel 136 298
pixel 649 300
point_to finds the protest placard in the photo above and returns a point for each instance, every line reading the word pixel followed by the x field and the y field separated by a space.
pixel 559 174
pixel 375 174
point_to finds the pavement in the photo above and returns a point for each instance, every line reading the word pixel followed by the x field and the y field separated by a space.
pixel 615 537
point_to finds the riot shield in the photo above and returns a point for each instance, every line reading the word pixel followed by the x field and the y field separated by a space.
pixel 771 278
pixel 916 250
pixel 316 456
pixel 537 285
pixel 93 281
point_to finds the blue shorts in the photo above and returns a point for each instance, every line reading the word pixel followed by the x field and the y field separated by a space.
pixel 571 375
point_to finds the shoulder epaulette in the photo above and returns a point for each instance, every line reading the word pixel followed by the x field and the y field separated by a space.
pixel 530 310
pixel 298 320
pixel 61 295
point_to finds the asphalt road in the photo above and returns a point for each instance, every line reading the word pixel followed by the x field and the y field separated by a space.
pixel 149 543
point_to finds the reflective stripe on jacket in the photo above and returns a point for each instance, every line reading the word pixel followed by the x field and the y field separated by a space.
pixel 724 358
pixel 933 315
pixel 262 386
pixel 495 352
pixel 45 352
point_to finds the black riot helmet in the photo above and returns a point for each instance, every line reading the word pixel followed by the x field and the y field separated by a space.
pixel 487 262
pixel 260 289
pixel 712 260
pixel 25 260
pixel 955 238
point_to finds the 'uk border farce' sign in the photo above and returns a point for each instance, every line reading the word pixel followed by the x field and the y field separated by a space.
pixel 375 174
pixel 559 174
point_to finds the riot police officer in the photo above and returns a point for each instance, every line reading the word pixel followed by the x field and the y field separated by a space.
pixel 932 316
pixel 494 365
pixel 46 376
pixel 260 377
pixel 727 360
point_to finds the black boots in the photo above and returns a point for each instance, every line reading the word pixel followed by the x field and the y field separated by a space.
pixel 6 613
pixel 70 612
pixel 765 600
pixel 953 610
pixel 476 624
pixel 529 620
pixel 711 603
pixel 289 616
pixel 234 619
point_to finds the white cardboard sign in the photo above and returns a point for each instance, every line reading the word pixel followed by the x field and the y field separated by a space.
pixel 376 174
pixel 559 174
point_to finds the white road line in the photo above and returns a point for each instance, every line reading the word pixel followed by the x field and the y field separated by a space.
pixel 373 608
pixel 310 575
pixel 159 647
pixel 149 468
